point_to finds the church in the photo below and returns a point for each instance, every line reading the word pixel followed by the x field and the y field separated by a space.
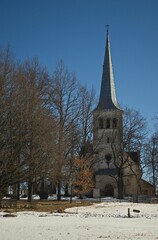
pixel 108 132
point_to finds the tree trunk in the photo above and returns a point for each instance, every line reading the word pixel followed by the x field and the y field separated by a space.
pixel 139 189
pixel 29 191
pixel 1 196
pixel 120 185
pixel 42 187
pixel 59 192
pixel 154 180
pixel 66 190
pixel 14 187
pixel 18 191
pixel 71 194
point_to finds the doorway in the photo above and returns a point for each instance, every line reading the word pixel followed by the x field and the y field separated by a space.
pixel 109 190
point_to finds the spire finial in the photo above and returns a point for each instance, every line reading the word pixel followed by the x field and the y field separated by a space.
pixel 107 28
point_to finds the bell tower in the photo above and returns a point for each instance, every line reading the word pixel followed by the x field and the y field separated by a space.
pixel 107 129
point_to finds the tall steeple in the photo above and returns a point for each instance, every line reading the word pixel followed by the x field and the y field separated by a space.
pixel 107 131
pixel 107 100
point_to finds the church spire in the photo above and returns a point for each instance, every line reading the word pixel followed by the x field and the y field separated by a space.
pixel 107 100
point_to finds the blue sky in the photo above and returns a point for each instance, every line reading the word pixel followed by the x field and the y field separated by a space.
pixel 75 31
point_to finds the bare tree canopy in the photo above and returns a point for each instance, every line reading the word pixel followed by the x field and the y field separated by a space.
pixel 134 135
pixel 134 130
pixel 151 159
pixel 27 133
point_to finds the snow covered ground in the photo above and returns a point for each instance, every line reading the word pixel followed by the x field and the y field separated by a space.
pixel 106 220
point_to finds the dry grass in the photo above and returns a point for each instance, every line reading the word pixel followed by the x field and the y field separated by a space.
pixel 41 205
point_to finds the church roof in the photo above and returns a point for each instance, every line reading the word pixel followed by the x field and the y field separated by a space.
pixel 107 100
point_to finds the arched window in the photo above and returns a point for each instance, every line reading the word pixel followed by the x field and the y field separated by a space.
pixel 107 123
pixel 101 124
pixel 114 123
pixel 108 158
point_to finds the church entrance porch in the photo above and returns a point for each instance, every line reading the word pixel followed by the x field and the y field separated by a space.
pixel 109 190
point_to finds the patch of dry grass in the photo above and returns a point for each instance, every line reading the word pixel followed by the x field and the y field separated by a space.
pixel 41 205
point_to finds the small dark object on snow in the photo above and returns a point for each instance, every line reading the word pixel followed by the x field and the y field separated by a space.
pixel 9 215
pixel 135 210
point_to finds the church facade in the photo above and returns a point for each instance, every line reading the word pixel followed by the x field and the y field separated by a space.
pixel 108 132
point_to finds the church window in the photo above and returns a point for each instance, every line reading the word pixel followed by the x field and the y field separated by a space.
pixel 108 158
pixel 108 123
pixel 101 124
pixel 108 140
pixel 114 123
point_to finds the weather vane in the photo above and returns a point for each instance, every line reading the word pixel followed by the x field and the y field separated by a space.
pixel 107 27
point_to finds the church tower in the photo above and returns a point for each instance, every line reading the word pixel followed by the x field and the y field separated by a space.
pixel 107 130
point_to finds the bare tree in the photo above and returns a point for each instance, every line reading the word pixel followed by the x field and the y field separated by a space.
pixel 7 169
pixel 134 133
pixel 86 117
pixel 151 159
pixel 66 109
pixel 37 123
pixel 27 127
